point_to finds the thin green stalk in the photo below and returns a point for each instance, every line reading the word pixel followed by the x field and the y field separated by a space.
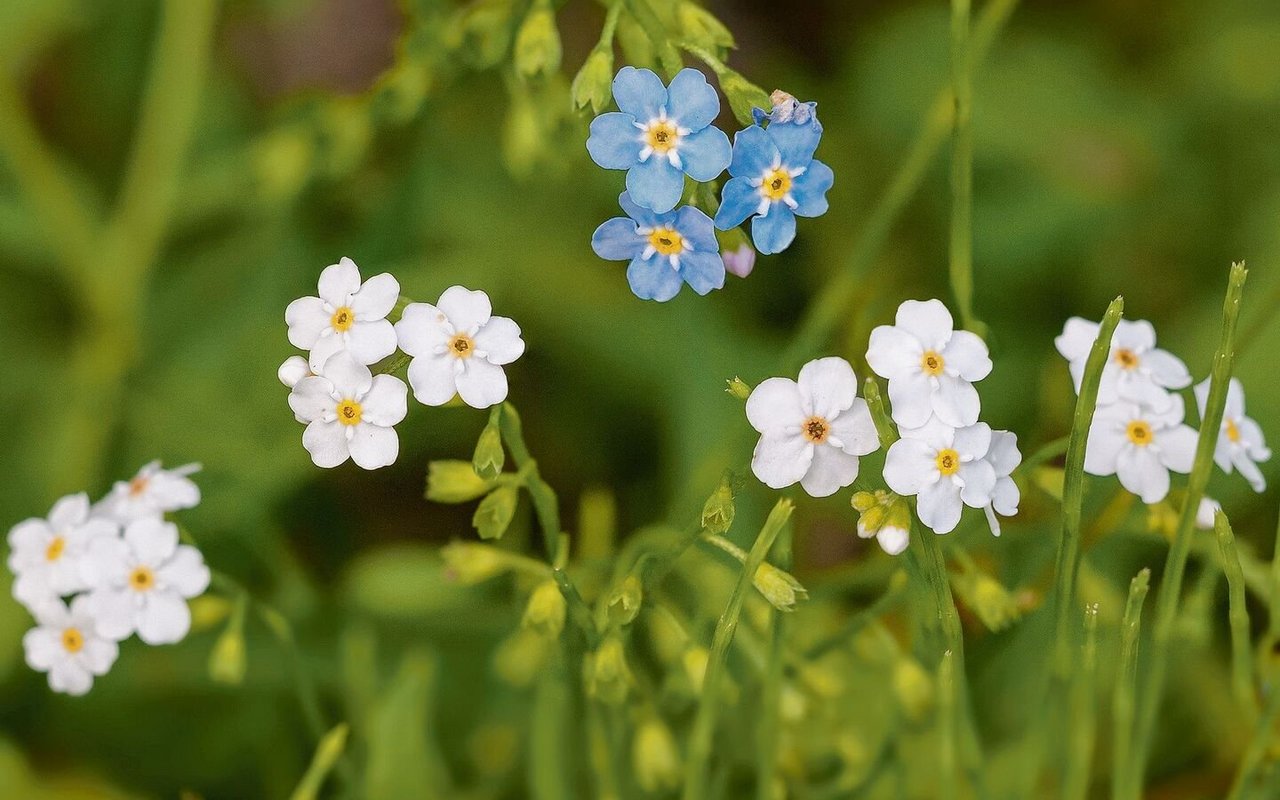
pixel 948 733
pixel 1257 749
pixel 698 766
pixel 1176 561
pixel 546 506
pixel 1123 783
pixel 1273 624
pixel 961 260
pixel 771 693
pixel 326 756
pixel 549 770
pixel 1084 715
pixel 642 12
pixel 858 621
pixel 826 311
pixel 1047 452
pixel 1238 614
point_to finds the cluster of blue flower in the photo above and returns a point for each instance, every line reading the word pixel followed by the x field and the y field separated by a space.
pixel 659 135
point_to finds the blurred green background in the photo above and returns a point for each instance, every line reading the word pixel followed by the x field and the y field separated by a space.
pixel 1121 148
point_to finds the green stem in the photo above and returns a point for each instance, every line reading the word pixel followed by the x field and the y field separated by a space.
pixel 1238 614
pixel 948 733
pixel 1123 766
pixel 1047 452
pixel 1257 749
pixel 651 23
pixel 698 766
pixel 1176 561
pixel 770 697
pixel 858 621
pixel 961 255
pixel 546 506
pixel 327 754
pixel 1084 717
pixel 827 309
pixel 1273 624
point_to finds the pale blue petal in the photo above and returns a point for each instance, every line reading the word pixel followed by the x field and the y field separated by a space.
pixel 738 200
pixel 617 240
pixel 773 232
pixel 655 184
pixel 810 190
pixel 615 140
pixel 653 279
pixel 691 101
pixel 639 93
pixel 796 141
pixel 696 226
pixel 753 153
pixel 642 215
pixel 705 154
pixel 703 271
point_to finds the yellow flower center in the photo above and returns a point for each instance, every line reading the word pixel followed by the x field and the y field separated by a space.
pixel 349 412
pixel 1233 433
pixel 72 640
pixel 666 241
pixel 1126 358
pixel 816 429
pixel 1140 433
pixel 54 551
pixel 661 136
pixel 462 346
pixel 776 184
pixel 932 362
pixel 142 579
pixel 948 461
pixel 343 319
pixel 138 485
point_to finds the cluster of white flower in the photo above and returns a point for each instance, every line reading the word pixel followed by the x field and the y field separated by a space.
pixel 1138 433
pixel 120 563
pixel 813 430
pixel 457 348
pixel 946 458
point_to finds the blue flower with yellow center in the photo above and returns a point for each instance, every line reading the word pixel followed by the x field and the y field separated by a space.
pixel 660 135
pixel 665 250
pixel 775 177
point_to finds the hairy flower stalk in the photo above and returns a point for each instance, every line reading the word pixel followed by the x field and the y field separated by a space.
pixel 961 245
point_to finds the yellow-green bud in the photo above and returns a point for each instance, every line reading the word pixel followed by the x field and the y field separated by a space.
pixel 718 511
pixel 885 516
pixel 700 27
pixel 738 388
pixel 988 599
pixel 519 659
pixel 654 757
pixel 454 482
pixel 743 95
pixel 495 512
pixel 227 659
pixel 637 47
pixel 537 50
pixel 546 610
pixel 625 600
pixel 489 457
pixel 208 610
pixel 282 162
pixel 469 563
pixel 695 661
pixel 607 676
pixel 913 687
pixel 522 139
pixel 778 587
pixel 593 85
pixel 484 31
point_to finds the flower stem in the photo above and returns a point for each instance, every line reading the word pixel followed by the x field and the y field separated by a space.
pixel 1084 717
pixel 1238 614
pixel 1257 749
pixel 770 696
pixel 961 250
pixel 546 506
pixel 328 752
pixel 1176 561
pixel 1123 785
pixel 698 766
pixel 948 733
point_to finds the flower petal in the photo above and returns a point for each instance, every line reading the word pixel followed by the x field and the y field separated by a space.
pixel 467 310
pixel 1005 497
pixel 909 466
pixel 781 458
pixel 1177 447
pixel 892 540
pixel 98 655
pixel 326 442
pixel 42 648
pixel 376 297
pixel 979 482
pixel 774 232
pixel 349 377
pixel 893 353
pixel 938 506
pixel 911 400
pixel 703 270
pixel 653 279
pixel 386 402
pixel 828 386
pixel 955 401
pixel 373 447
pixel 639 92
pixel 370 342
pixel 692 103
pixel 1140 471
pixel 306 319
pixel 1166 369
pixel 153 540
pixel 294 369
pixel 795 141
pixel 69 677
pixel 928 321
pixel 482 384
pixel 644 217
pixel 617 239
pixel 705 153
pixel 967 354
pixel 1137 335
pixel 1076 339
pixel 655 184
pixel 856 430
pixel 738 200
pixel 433 379
pixel 338 282
pixel 115 612
pixel 615 141
pixel 185 573
pixel 775 403
pixel 696 227
pixel 164 618
pixel 753 153
pixel 832 469
pixel 500 340
pixel 810 190
pixel 311 398
pixel 1003 453
pixel 421 329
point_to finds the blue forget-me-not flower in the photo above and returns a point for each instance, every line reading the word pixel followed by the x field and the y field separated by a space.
pixel 660 135
pixel 665 250
pixel 774 175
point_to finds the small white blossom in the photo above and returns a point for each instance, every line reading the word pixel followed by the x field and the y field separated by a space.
pixel 1240 442
pixel 1139 445
pixel 67 644
pixel 294 369
pixel 153 491
pixel 1136 370
pixel 891 538
pixel 1205 513
pixel 458 348
pixel 1005 458
pixel 945 468
pixel 350 413
pixel 348 315
pixel 45 554
pixel 929 365
pixel 141 582
pixel 812 430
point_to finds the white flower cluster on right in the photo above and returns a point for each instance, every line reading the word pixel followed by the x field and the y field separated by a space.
pixel 1138 433
pixel 946 458
pixel 457 348
pixel 121 565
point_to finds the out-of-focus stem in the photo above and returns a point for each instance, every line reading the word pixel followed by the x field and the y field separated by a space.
pixel 961 260
pixel 1084 715
pixel 1123 784
pixel 1238 615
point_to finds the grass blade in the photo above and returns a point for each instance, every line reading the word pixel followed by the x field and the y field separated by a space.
pixel 1238 614
pixel 1123 784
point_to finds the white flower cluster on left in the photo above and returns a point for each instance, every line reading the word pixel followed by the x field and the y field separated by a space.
pixel 458 348
pixel 93 575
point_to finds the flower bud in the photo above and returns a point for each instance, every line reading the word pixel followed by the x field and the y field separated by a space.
pixel 484 31
pixel 518 660
pixel 546 610
pixel 624 602
pixel 738 388
pixel 522 137
pixel 209 610
pixel 489 458
pixel 700 27
pixel 988 599
pixel 454 482
pixel 495 512
pixel 593 85
pixel 607 676
pixel 294 369
pixel 654 757
pixel 884 515
pixel 537 50
pixel 695 661
pixel 913 687
pixel 744 96
pixel 718 511
pixel 469 563
pixel 739 261
pixel 778 587
pixel 227 661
